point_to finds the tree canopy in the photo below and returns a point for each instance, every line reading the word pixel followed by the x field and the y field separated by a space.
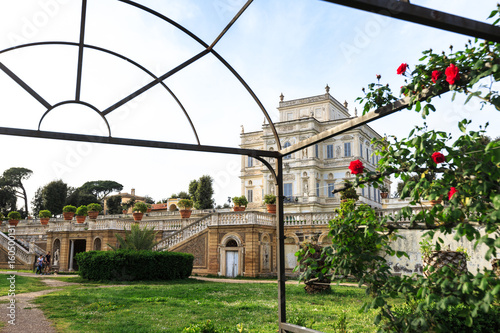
pixel 201 192
pixel 101 188
pixel 13 178
pixel 51 197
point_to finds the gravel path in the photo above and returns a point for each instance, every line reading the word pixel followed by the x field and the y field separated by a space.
pixel 28 318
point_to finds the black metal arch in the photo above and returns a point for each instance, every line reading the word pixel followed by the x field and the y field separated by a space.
pixel 76 102
pixel 116 55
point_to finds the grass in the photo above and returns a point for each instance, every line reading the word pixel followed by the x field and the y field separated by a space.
pixel 24 284
pixel 171 306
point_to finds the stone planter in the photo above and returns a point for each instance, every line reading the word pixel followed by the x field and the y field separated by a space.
pixel 80 219
pixel 44 220
pixel 93 215
pixel 185 213
pixel 384 195
pixel 68 216
pixel 239 208
pixel 13 222
pixel 457 261
pixel 271 208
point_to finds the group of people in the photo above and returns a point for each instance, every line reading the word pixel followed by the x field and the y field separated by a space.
pixel 43 264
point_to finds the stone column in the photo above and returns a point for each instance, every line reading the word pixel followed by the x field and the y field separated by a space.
pixel 71 253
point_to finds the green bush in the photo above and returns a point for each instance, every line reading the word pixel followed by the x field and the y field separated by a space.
pixel 94 207
pixel 14 215
pixel 185 204
pixel 69 209
pixel 134 265
pixel 450 319
pixel 240 201
pixel 44 214
pixel 270 199
pixel 140 207
pixel 82 211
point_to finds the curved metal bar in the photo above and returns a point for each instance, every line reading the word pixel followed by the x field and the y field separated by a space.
pixel 268 165
pixel 201 42
pixel 124 58
pixel 75 102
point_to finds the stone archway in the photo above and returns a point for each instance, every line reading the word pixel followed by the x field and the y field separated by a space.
pixel 231 256
pixel 172 208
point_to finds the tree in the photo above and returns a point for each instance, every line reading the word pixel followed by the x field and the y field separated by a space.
pixel 101 188
pixel 193 186
pixel 14 177
pixel 51 197
pixel 77 197
pixel 464 174
pixel 148 200
pixel 137 239
pixel 8 200
pixel 114 204
pixel 204 192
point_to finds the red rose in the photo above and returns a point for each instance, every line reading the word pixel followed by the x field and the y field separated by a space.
pixel 451 192
pixel 356 167
pixel 452 74
pixel 438 157
pixel 436 75
pixel 402 68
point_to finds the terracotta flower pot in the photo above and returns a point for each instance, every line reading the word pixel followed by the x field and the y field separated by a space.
pixel 239 208
pixel 124 211
pixel 93 215
pixel 80 219
pixel 185 213
pixel 13 222
pixel 138 216
pixel 384 195
pixel 271 208
pixel 44 220
pixel 68 216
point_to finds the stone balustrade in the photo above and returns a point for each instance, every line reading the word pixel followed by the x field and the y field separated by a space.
pixel 20 252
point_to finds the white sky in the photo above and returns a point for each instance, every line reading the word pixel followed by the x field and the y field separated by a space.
pixel 294 47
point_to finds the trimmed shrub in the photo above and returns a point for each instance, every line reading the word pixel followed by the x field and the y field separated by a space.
pixel 125 265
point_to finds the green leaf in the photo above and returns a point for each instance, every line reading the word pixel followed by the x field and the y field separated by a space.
pixel 462 127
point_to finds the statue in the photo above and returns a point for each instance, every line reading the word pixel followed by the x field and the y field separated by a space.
pixel 56 258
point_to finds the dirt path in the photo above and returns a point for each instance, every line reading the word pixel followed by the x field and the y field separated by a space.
pixel 28 318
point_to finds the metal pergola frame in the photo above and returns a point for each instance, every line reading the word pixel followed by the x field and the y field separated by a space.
pixel 397 9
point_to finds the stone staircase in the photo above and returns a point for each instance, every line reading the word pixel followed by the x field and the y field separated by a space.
pixel 23 256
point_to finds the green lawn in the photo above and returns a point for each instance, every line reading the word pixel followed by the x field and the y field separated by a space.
pixel 23 284
pixel 171 306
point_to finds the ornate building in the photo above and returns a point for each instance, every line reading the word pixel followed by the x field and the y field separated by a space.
pixel 311 174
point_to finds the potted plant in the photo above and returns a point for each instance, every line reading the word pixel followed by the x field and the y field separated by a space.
pixel 139 209
pixel 240 203
pixel 185 206
pixel 270 201
pixel 14 218
pixel 125 208
pixel 384 191
pixel 69 212
pixel 81 214
pixel 93 210
pixel 44 216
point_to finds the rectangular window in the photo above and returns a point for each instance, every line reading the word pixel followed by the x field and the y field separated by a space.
pixel 347 149
pixel 373 159
pixel 289 116
pixel 287 190
pixel 331 187
pixel 316 151
pixel 363 191
pixel 361 149
pixel 367 155
pixel 369 194
pixel 329 151
pixel 317 189
pixel 250 195
pixel 250 161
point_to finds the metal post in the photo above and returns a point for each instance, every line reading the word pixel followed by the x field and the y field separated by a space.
pixel 281 243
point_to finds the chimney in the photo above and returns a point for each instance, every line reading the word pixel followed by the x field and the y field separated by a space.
pixel 132 192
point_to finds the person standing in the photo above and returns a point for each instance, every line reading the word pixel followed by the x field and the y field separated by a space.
pixel 47 263
pixel 39 265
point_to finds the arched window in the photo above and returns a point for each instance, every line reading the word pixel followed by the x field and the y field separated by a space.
pixel 97 244
pixel 286 145
pixel 231 243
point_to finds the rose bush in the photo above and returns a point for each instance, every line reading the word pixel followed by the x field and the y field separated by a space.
pixel 438 157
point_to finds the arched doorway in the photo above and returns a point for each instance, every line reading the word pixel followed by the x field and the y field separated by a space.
pixel 172 208
pixel 232 258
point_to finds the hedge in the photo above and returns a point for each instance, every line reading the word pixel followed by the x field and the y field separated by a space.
pixel 125 265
